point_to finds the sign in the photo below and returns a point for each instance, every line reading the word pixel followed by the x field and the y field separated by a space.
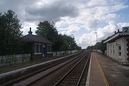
pixel 125 29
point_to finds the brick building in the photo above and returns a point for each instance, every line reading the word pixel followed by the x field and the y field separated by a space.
pixel 39 47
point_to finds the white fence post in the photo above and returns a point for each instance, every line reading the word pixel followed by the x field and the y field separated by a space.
pixel 13 59
pixel 59 53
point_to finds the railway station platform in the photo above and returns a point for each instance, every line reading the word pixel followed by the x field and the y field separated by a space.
pixel 104 71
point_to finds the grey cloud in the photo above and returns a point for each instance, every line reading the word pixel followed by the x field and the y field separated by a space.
pixel 105 36
pixel 52 11
pixel 93 23
pixel 18 6
pixel 28 11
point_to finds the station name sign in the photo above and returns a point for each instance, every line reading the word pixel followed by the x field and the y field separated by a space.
pixel 125 29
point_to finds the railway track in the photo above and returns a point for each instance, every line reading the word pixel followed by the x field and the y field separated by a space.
pixel 52 74
pixel 60 76
pixel 76 76
pixel 36 71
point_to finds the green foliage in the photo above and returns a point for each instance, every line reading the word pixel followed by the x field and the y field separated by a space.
pixel 99 46
pixel 68 43
pixel 9 33
pixel 103 46
pixel 90 47
pixel 48 30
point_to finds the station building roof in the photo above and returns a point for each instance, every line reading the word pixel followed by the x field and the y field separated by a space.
pixel 116 36
pixel 34 38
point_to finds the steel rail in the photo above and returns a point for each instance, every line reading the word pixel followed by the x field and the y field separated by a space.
pixel 57 68
pixel 59 81
pixel 82 73
pixel 36 72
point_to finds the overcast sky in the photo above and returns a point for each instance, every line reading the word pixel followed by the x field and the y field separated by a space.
pixel 82 18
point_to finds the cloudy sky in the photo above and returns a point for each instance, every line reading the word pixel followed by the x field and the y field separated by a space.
pixel 82 18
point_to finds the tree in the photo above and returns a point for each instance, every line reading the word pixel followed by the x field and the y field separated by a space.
pixel 69 42
pixel 99 46
pixel 103 46
pixel 64 42
pixel 47 30
pixel 9 33
pixel 90 47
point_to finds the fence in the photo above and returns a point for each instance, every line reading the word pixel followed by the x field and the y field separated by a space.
pixel 60 53
pixel 14 59
pixel 20 58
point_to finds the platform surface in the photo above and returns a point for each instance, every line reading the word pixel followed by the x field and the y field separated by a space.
pixel 106 72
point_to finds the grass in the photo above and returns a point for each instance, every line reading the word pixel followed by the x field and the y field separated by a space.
pixel 25 64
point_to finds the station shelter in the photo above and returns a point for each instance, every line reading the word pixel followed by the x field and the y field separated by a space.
pixel 118 46
pixel 37 46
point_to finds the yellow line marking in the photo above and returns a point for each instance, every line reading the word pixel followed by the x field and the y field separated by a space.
pixel 102 73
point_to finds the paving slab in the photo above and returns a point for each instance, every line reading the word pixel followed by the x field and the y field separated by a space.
pixel 97 77
pixel 115 73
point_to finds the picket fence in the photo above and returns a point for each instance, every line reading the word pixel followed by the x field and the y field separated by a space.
pixel 14 59
pixel 20 58
pixel 60 53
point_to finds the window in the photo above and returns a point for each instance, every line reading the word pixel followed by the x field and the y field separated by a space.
pixel 49 48
pixel 113 50
pixel 119 53
pixel 119 50
pixel 119 47
pixel 37 47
